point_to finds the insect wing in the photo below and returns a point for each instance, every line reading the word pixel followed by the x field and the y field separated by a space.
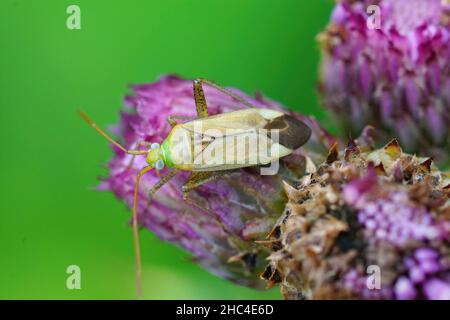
pixel 243 138
pixel 245 119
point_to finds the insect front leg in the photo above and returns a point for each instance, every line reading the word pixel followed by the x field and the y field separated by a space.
pixel 137 249
pixel 152 191
pixel 133 157
pixel 172 120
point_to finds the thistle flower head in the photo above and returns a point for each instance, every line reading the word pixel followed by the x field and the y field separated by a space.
pixel 390 68
pixel 227 214
pixel 364 209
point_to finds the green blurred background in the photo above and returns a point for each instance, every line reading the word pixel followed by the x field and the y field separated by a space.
pixel 50 217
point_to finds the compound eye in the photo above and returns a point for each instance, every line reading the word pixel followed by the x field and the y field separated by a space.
pixel 159 165
pixel 154 146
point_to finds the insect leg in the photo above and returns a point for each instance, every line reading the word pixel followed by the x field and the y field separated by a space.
pixel 196 179
pixel 107 137
pixel 200 101
pixel 137 250
pixel 172 120
pixel 201 81
pixel 140 143
pixel 162 182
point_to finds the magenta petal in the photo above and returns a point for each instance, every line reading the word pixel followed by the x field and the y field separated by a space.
pixel 412 92
pixel 391 77
pixel 365 76
pixel 354 191
pixel 426 254
pixel 436 124
pixel 436 289
pixel 404 289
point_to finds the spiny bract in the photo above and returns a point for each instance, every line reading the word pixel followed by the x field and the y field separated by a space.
pixel 362 208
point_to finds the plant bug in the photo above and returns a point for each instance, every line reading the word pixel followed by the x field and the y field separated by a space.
pixel 189 142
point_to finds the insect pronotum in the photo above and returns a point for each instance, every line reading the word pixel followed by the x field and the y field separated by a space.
pixel 188 143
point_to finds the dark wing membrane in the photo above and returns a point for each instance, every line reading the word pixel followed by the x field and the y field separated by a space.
pixel 293 133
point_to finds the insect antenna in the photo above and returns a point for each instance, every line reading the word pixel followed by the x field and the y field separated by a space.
pixel 135 221
pixel 107 137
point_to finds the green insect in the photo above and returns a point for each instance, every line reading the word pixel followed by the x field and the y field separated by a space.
pixel 189 142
